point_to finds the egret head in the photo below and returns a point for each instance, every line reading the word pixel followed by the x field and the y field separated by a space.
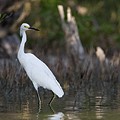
pixel 25 27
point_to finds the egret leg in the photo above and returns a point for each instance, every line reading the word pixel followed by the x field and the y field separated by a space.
pixel 39 101
pixel 52 109
pixel 54 96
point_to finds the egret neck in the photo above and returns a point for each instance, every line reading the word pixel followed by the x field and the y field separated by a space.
pixel 22 45
pixel 21 52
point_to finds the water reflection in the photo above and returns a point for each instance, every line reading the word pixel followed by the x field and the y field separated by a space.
pixel 27 109
pixel 72 115
pixel 98 109
pixel 57 116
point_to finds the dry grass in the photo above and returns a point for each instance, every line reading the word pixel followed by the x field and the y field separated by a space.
pixel 87 79
pixel 13 79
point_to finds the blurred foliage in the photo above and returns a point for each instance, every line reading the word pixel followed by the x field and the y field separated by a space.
pixel 98 22
pixel 47 19
pixel 2 16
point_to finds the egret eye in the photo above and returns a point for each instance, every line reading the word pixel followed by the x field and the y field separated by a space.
pixel 26 26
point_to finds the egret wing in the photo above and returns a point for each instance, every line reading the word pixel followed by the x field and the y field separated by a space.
pixel 42 75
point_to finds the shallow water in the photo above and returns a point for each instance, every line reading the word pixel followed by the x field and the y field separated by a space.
pixel 62 109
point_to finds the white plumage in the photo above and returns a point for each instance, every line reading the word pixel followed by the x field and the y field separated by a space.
pixel 37 71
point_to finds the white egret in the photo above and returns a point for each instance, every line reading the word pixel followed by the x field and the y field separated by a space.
pixel 37 71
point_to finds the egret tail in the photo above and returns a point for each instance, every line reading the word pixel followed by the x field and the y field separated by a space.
pixel 57 89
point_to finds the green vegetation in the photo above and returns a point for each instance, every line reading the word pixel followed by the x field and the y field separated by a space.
pixel 99 24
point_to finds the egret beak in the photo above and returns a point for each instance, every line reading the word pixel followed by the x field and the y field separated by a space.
pixel 34 29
